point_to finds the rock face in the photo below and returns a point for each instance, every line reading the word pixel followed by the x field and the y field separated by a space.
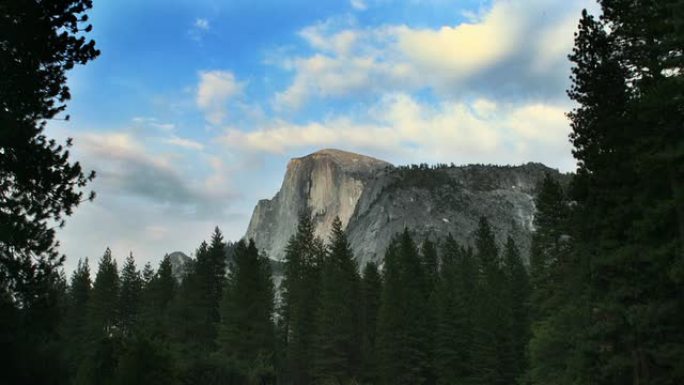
pixel 376 200
pixel 179 263
pixel 328 183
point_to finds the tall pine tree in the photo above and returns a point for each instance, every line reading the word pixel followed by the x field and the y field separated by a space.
pixel 517 296
pixel 130 296
pixel 492 353
pixel 103 307
pixel 403 328
pixel 454 292
pixel 627 79
pixel 299 301
pixel 247 331
pixel 76 321
pixel 370 292
pixel 337 339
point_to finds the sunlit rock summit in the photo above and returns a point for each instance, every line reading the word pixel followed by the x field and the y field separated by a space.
pixel 376 200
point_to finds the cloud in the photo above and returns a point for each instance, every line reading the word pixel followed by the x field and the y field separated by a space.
pixel 127 167
pixel 183 142
pixel 511 50
pixel 151 199
pixel 215 89
pixel 154 123
pixel 404 128
pixel 460 51
pixel 202 24
pixel 358 5
pixel 199 28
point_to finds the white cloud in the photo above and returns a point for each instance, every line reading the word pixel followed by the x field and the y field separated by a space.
pixel 512 48
pixel 215 89
pixel 202 24
pixel 460 51
pixel 184 142
pixel 401 126
pixel 358 5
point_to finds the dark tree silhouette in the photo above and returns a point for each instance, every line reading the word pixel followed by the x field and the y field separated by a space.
pixel 39 42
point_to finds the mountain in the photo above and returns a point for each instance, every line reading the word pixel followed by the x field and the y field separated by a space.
pixel 179 263
pixel 329 183
pixel 376 200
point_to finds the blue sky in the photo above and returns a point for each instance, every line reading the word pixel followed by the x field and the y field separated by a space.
pixel 193 109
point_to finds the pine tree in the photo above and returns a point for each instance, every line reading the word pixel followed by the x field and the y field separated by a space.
pixel 158 296
pixel 129 297
pixel 246 334
pixel 550 245
pixel 629 230
pixel 428 252
pixel 454 292
pixel 76 322
pixel 299 301
pixel 337 340
pixel 518 292
pixel 193 330
pixel 103 307
pixel 215 273
pixel 145 361
pixel 492 353
pixel 104 339
pixel 403 328
pixel 147 275
pixel 39 43
pixel 197 308
pixel 558 299
pixel 370 292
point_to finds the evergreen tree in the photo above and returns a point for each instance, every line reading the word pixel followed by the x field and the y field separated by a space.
pixel 215 273
pixel 103 307
pixel 76 322
pixel 370 292
pixel 403 328
pixel 629 227
pixel 518 292
pixel 299 301
pixel 247 329
pixel 104 338
pixel 158 295
pixel 492 353
pixel 191 314
pixel 428 252
pixel 454 291
pixel 550 245
pixel 39 43
pixel 145 361
pixel 337 340
pixel 558 299
pixel 129 297
pixel 197 308
pixel 147 275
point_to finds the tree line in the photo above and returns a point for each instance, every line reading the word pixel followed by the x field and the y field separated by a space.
pixel 433 314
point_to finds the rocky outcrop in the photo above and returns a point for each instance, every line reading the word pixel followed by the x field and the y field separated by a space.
pixel 328 183
pixel 376 200
pixel 179 264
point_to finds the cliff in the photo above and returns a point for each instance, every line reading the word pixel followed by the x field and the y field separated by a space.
pixel 376 200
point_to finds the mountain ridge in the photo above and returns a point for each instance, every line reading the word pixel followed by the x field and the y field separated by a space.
pixel 375 199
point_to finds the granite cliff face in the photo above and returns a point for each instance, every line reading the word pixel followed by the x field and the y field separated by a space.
pixel 376 200
pixel 328 183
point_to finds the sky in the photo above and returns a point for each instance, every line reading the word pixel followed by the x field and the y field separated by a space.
pixel 193 109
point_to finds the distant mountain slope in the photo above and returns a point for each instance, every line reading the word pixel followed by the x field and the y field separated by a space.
pixel 375 200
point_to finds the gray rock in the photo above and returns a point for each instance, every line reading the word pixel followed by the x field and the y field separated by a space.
pixel 179 264
pixel 376 200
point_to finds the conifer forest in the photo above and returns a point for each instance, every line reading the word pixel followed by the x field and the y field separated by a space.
pixel 599 300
